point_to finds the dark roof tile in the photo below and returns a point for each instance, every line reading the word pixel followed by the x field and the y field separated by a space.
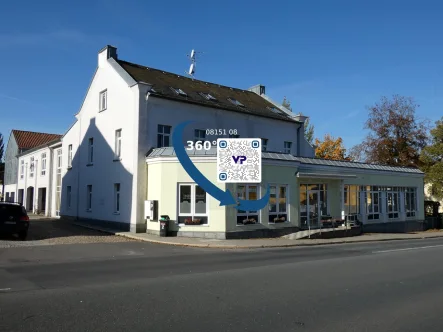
pixel 162 83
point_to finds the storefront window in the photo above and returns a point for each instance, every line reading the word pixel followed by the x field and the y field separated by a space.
pixel 351 202
pixel 278 210
pixel 393 202
pixel 410 201
pixel 373 204
pixel 247 192
pixel 313 204
pixel 192 205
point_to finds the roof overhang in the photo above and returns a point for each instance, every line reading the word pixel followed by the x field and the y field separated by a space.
pixel 319 175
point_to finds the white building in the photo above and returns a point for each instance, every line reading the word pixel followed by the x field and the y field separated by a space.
pixel 129 109
pixel 117 156
pixel 110 168
pixel 29 171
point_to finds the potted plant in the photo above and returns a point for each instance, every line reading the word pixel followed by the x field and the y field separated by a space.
pixel 279 219
pixel 190 221
pixel 249 221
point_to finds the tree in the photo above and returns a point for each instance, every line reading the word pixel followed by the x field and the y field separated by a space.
pixel 396 137
pixel 432 161
pixel 309 128
pixel 330 148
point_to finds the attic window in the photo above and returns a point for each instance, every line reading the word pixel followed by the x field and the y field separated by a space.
pixel 179 91
pixel 236 102
pixel 274 109
pixel 207 96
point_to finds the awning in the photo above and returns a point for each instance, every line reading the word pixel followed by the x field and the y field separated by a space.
pixel 320 175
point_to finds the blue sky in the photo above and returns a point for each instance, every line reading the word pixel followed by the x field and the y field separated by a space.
pixel 330 58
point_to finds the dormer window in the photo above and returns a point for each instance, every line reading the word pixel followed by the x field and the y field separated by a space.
pixel 179 92
pixel 207 96
pixel 236 102
pixel 274 110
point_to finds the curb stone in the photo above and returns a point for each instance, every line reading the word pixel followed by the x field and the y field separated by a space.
pixel 217 246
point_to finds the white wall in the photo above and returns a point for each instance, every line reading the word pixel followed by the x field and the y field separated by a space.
pixel 167 112
pixel 104 172
pixel 39 180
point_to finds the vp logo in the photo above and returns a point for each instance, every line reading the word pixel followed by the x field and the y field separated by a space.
pixel 239 159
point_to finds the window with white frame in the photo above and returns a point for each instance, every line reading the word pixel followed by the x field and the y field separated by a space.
pixel 278 203
pixel 411 202
pixel 43 171
pixel 91 151
pixel 22 169
pixel 351 202
pixel 192 205
pixel 199 135
pixel 163 136
pixel 264 144
pixel 103 100
pixel 287 147
pixel 31 167
pixel 247 192
pixel 118 144
pixel 70 155
pixel 116 197
pixel 68 197
pixel 373 208
pixel 89 197
pixel 393 202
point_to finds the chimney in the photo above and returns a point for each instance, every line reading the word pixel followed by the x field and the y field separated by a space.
pixel 105 53
pixel 258 89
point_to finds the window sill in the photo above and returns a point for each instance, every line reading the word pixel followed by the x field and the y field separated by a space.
pixel 90 164
pixel 279 223
pixel 89 211
pixel 69 168
pixel 183 225
pixel 102 110
pixel 246 225
pixel 116 213
pixel 117 159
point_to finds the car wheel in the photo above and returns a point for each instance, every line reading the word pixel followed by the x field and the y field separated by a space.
pixel 22 235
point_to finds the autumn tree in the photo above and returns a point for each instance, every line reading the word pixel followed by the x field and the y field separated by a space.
pixel 309 128
pixel 432 161
pixel 330 148
pixel 396 137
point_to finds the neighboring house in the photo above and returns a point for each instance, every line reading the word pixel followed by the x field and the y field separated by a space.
pixel 117 155
pixel 39 178
pixel 25 182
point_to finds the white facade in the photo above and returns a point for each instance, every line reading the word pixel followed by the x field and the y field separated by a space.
pixel 36 186
pixel 136 114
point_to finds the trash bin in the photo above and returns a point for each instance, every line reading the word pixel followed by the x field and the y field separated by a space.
pixel 164 226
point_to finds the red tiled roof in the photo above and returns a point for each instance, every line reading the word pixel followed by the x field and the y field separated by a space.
pixel 29 139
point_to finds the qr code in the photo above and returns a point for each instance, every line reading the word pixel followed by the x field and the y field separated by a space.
pixel 239 160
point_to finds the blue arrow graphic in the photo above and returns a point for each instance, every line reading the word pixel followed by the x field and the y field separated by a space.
pixel 250 205
pixel 225 197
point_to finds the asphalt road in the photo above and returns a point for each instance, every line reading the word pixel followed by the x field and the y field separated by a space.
pixel 134 286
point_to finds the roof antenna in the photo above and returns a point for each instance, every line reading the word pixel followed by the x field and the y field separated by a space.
pixel 193 58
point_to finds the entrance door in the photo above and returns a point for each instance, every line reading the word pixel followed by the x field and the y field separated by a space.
pixel 313 208
pixel 30 199
pixel 42 200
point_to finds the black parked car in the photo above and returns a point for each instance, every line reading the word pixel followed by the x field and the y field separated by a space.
pixel 14 220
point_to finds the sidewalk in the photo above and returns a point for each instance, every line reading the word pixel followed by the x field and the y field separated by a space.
pixel 265 243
